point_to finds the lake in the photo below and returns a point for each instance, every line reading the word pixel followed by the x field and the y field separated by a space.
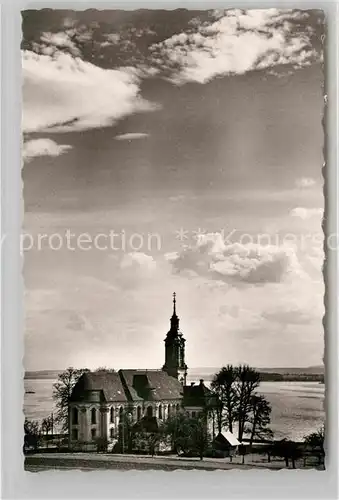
pixel 297 407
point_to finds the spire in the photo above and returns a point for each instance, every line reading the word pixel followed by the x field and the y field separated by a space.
pixel 174 304
pixel 174 318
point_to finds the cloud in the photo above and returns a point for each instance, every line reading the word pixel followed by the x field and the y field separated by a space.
pixel 237 42
pixel 53 42
pixel 236 263
pixel 43 147
pixel 293 316
pixel 111 39
pixel 306 213
pixel 133 304
pixel 305 182
pixel 138 260
pixel 130 136
pixel 64 93
pixel 71 40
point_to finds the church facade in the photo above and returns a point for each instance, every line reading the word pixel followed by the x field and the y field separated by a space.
pixel 105 405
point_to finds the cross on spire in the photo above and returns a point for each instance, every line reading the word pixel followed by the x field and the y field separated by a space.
pixel 174 318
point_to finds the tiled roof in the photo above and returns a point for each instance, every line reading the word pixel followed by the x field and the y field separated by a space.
pixel 127 385
pixel 198 395
pixel 151 385
pixel 108 384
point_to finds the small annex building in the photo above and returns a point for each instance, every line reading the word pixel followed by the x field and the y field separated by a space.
pixel 226 444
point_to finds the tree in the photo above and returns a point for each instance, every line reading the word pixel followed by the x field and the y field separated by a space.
pixel 242 452
pixel 289 450
pixel 316 441
pixel 260 417
pixel 200 435
pixel 126 430
pixel 62 393
pixel 177 428
pixel 47 424
pixel 234 387
pixel 32 435
pixel 104 369
pixel 247 382
pixel 187 434
pixel 223 384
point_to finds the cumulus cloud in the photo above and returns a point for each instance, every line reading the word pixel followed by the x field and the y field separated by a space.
pixel 130 136
pixel 64 93
pixel 234 263
pixel 43 147
pixel 71 40
pixel 306 213
pixel 305 182
pixel 53 42
pixel 111 39
pixel 138 260
pixel 237 42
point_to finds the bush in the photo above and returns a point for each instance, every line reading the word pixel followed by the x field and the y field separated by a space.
pixel 101 444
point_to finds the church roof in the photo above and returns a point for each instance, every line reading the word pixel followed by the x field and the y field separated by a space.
pixel 107 384
pixel 127 385
pixel 151 385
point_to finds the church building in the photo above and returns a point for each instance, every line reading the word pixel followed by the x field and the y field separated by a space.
pixel 104 404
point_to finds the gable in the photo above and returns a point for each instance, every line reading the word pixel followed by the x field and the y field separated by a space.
pixel 95 387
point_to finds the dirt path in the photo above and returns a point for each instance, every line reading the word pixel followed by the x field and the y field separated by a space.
pixel 125 462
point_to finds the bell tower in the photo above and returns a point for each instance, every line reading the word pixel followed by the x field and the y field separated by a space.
pixel 175 349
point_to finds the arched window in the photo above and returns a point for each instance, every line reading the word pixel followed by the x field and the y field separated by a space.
pixel 111 415
pixel 149 411
pixel 75 416
pixel 178 408
pixel 169 411
pixel 121 412
pixel 160 412
pixel 93 416
pixel 138 413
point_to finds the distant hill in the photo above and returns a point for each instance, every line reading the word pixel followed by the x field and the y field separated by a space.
pixel 43 374
pixel 207 373
pixel 308 373
pixel 309 370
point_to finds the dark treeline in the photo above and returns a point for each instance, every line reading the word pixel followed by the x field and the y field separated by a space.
pixel 291 377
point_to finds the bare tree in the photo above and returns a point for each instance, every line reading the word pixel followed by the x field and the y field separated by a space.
pixel 62 392
pixel 47 424
pixel 248 380
pixel 223 384
pixel 234 387
pixel 259 419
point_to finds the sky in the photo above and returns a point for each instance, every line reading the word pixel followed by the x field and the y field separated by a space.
pixel 173 151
